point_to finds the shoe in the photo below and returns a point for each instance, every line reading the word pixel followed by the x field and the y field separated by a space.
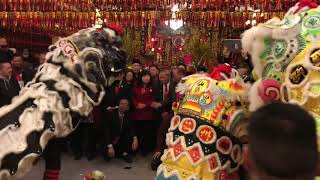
pixel 78 156
pixel 144 153
pixel 90 157
pixel 106 158
pixel 127 158
pixel 155 163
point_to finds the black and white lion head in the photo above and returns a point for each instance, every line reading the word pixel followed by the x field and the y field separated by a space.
pixel 92 55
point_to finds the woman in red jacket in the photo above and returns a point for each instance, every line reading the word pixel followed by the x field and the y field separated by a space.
pixel 142 114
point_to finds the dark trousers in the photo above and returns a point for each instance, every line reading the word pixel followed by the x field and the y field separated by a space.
pixel 162 131
pixel 146 135
pixel 83 139
pixel 123 145
pixel 52 154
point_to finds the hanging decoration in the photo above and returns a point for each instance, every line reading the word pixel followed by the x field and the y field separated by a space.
pixel 200 48
pixel 132 44
pixel 139 5
pixel 68 21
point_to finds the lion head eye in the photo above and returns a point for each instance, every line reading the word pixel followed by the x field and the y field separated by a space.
pixel 52 48
pixel 61 43
pixel 91 65
pixel 298 74
pixel 68 49
pixel 315 58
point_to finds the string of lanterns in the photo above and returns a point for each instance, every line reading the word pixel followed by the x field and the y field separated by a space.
pixel 70 21
pixel 134 5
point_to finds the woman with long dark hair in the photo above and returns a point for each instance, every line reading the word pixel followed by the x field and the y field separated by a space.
pixel 142 114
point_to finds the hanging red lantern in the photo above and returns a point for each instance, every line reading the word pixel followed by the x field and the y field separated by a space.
pixel 246 4
pixel 143 19
pixel 35 20
pixel 85 19
pixel 243 20
pixel 278 6
pixel 208 4
pixel 79 25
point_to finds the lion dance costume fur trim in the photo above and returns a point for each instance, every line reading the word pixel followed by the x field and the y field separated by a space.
pixel 65 88
pixel 286 58
pixel 203 141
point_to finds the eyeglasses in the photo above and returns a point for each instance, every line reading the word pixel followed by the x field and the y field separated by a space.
pixel 4 46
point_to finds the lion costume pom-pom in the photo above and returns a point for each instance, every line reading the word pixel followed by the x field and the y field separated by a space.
pixel 275 44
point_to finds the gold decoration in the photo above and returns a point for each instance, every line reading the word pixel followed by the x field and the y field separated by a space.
pixel 132 43
pixel 200 48
pixel 98 20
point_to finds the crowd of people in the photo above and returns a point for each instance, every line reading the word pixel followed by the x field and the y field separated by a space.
pixel 135 115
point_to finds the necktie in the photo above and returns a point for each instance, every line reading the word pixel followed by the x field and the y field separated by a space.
pixel 117 88
pixel 121 115
pixel 19 77
pixel 165 92
pixel 20 81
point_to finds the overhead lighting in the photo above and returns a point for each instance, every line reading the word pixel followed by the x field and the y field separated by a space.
pixel 98 20
pixel 174 23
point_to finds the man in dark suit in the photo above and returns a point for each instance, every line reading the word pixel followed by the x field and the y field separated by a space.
pixel 136 68
pixel 165 96
pixel 21 72
pixel 9 86
pixel 120 137
pixel 164 92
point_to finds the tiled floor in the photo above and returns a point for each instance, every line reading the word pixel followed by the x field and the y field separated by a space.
pixel 116 169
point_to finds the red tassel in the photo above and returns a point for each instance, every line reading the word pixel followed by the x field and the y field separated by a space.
pixel 278 5
pixel 246 2
pixel 193 5
pixel 51 174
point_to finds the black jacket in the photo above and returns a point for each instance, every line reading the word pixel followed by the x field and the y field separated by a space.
pixel 113 129
pixel 167 103
pixel 8 89
pixel 112 98
pixel 27 76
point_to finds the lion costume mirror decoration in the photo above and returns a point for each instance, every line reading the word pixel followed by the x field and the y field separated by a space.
pixel 65 88
pixel 203 141
pixel 286 58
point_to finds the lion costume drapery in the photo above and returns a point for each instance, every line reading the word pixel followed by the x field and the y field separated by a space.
pixel 64 89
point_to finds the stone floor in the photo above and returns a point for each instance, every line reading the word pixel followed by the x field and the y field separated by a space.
pixel 116 169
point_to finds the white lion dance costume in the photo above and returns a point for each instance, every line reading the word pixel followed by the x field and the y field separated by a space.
pixel 203 141
pixel 65 88
pixel 286 57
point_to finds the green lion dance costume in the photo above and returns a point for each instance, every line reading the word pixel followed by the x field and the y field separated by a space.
pixel 203 141
pixel 286 57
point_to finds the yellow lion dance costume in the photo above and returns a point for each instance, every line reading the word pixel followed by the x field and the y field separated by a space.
pixel 203 141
